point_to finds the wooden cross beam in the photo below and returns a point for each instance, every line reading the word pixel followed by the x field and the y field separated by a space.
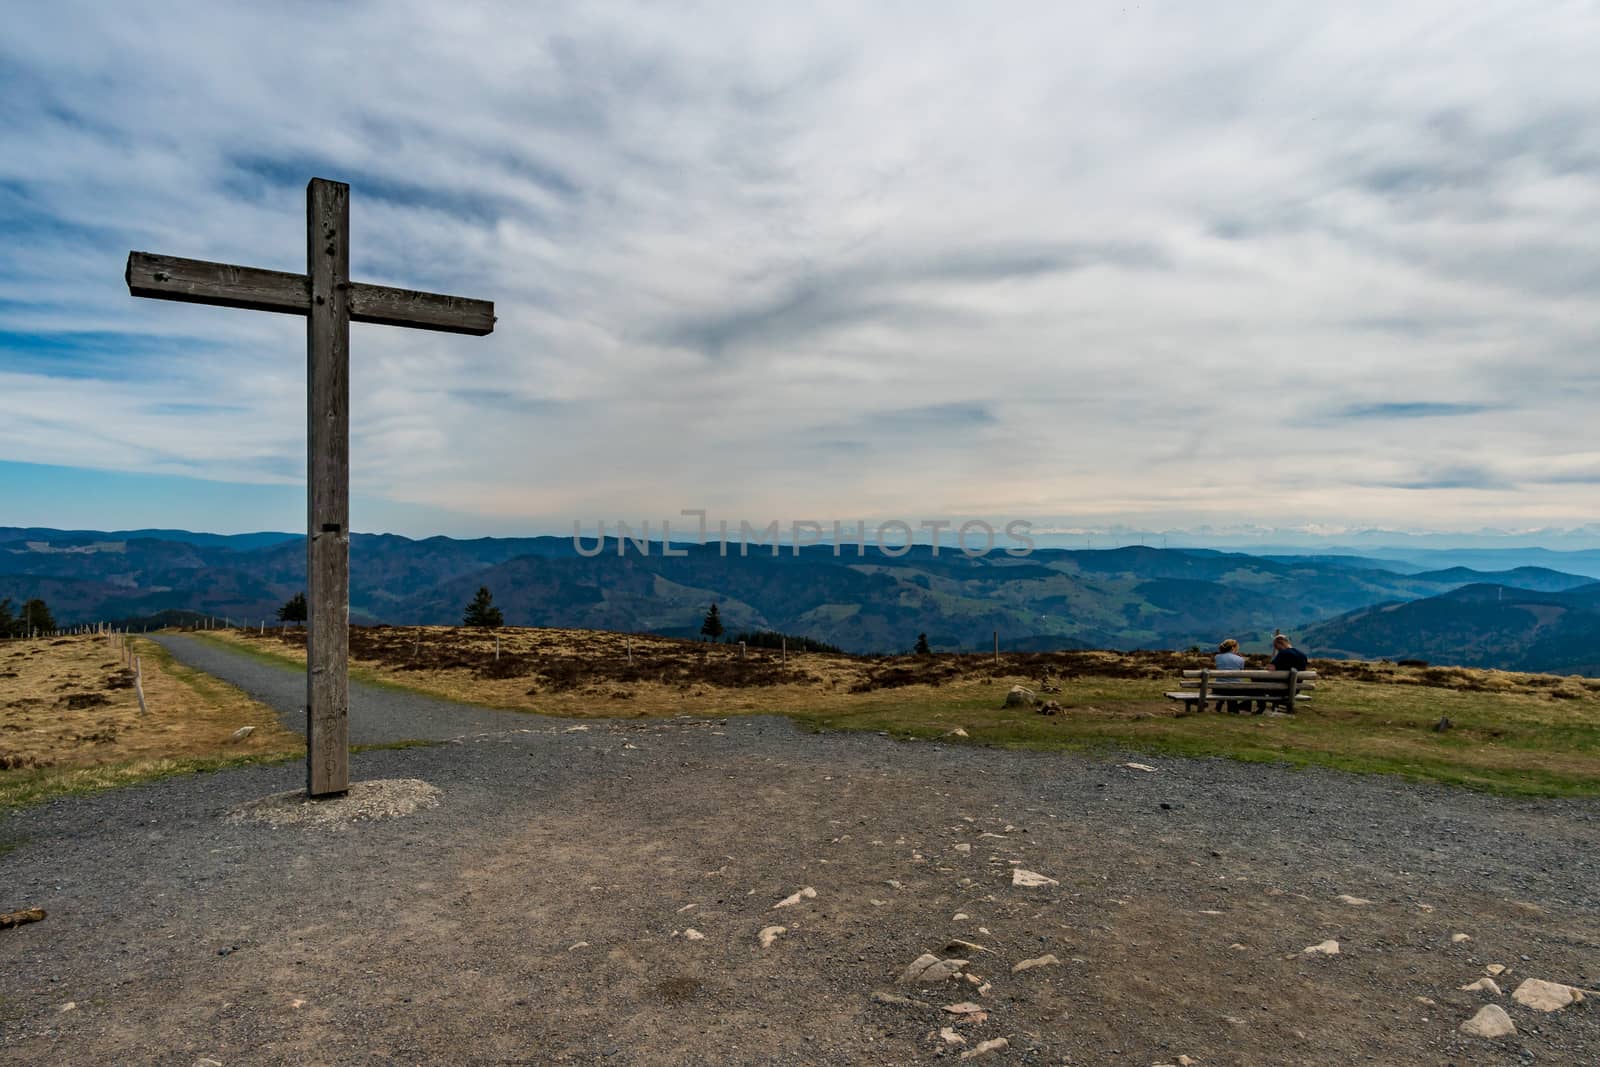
pixel 328 299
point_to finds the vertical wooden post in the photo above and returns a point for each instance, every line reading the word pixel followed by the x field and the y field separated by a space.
pixel 138 683
pixel 497 648
pixel 741 650
pixel 328 488
pixel 784 646
pixel 630 650
pixel 997 648
pixel 1205 684
pixel 1294 683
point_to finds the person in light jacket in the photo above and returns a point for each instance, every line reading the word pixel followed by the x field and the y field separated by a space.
pixel 1228 659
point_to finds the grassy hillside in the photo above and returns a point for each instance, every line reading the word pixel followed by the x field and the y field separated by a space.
pixel 1512 733
pixel 70 720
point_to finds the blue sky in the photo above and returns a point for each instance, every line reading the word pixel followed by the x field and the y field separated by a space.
pixel 1155 267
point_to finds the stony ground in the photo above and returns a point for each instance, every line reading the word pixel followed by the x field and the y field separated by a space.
pixel 542 911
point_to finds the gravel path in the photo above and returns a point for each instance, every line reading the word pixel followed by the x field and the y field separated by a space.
pixel 541 912
pixel 377 715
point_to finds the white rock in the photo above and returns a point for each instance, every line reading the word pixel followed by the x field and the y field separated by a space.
pixel 1460 939
pixel 1540 995
pixel 1354 902
pixel 769 934
pixel 998 1044
pixel 1140 767
pixel 963 848
pixel 1324 948
pixel 957 732
pixel 966 1007
pixel 796 897
pixel 1030 878
pixel 959 916
pixel 692 934
pixel 1038 961
pixel 951 1037
pixel 241 733
pixel 928 969
pixel 574 729
pixel 1019 697
pixel 1495 969
pixel 1482 985
pixel 71 1005
pixel 1491 1022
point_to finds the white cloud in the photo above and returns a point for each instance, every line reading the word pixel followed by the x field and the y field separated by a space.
pixel 1160 250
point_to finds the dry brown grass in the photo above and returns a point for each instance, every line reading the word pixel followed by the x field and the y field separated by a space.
pixel 1522 733
pixel 587 673
pixel 70 720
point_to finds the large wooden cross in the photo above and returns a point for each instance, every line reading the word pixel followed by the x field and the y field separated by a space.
pixel 328 299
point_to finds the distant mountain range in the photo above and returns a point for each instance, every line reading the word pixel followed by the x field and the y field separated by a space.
pixel 873 601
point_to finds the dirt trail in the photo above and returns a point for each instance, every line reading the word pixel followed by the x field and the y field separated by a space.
pixel 377 715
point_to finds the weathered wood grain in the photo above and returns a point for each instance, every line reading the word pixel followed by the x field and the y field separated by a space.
pixel 330 302
pixel 198 281
pixel 328 488
pixel 195 281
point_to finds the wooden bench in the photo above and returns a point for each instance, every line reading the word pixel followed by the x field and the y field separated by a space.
pixel 1287 689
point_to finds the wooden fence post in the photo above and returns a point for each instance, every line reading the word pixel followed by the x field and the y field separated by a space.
pixel 497 648
pixel 997 648
pixel 784 650
pixel 138 684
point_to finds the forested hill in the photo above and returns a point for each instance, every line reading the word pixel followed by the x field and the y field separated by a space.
pixel 875 601
pixel 1479 625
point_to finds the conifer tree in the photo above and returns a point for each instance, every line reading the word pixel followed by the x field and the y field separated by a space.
pixel 294 609
pixel 712 627
pixel 36 614
pixel 482 612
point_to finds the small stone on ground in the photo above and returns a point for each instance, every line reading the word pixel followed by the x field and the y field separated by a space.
pixel 1490 1022
pixel 1540 995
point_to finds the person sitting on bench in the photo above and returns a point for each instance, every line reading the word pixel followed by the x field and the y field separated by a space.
pixel 1228 659
pixel 1285 657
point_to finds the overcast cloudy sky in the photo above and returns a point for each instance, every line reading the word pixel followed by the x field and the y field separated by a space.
pixel 1165 265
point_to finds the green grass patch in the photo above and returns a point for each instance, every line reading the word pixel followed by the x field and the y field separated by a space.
pixel 19 789
pixel 1510 744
